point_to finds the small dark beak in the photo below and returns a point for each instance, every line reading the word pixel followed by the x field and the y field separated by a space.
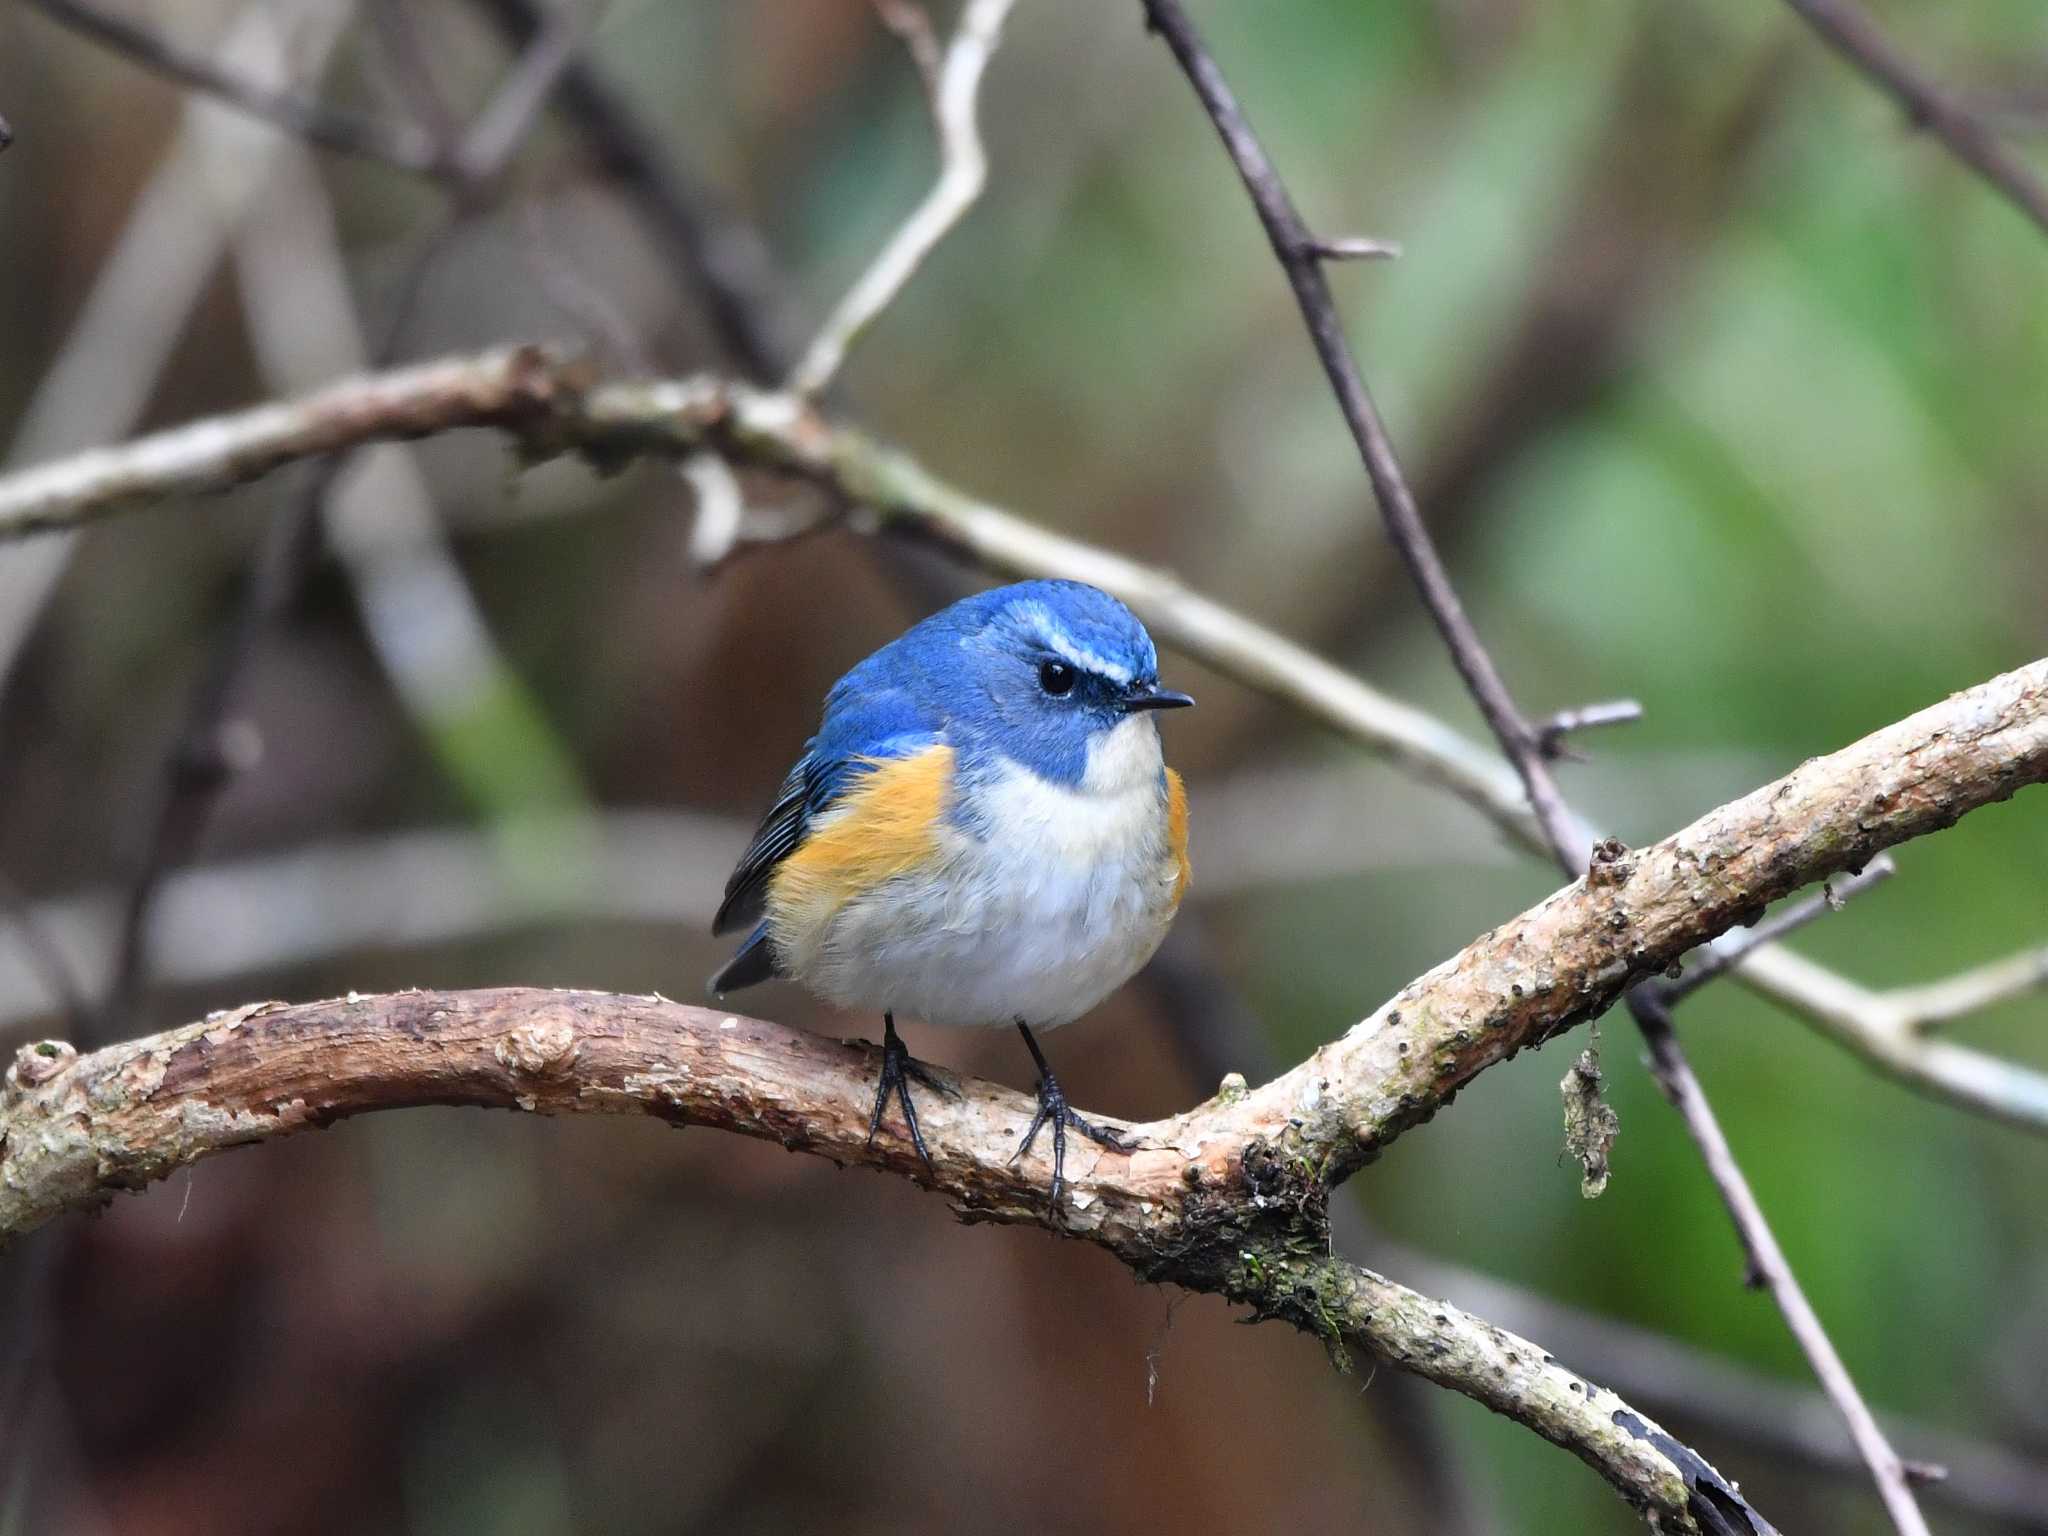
pixel 1152 696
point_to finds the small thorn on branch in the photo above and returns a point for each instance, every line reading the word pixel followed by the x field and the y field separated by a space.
pixel 1921 1473
pixel 1551 732
pixel 1352 248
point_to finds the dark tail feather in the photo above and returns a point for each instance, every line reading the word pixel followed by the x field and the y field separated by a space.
pixel 754 962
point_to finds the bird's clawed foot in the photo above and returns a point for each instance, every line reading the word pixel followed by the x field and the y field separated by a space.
pixel 899 1068
pixel 1053 1109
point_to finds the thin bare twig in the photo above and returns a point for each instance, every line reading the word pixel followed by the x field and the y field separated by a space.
pixel 1217 1035
pixel 963 171
pixel 1296 250
pixel 406 58
pixel 1932 1004
pixel 725 257
pixel 1851 32
pixel 1552 730
pixel 1353 248
pixel 1719 959
pixel 198 769
pixel 515 108
pixel 1888 1030
pixel 302 116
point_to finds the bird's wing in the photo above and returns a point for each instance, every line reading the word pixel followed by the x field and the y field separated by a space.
pixel 857 736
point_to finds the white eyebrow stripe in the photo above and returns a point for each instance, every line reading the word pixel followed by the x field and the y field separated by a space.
pixel 1078 656
pixel 1087 660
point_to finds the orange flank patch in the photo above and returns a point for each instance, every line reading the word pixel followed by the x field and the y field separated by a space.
pixel 1177 833
pixel 886 825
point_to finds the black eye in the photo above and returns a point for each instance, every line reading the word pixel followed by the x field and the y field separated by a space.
pixel 1056 678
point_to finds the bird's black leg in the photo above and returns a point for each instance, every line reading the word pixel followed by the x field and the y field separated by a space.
pixel 898 1068
pixel 1053 1107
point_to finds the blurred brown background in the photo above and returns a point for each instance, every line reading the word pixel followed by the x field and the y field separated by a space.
pixel 1722 391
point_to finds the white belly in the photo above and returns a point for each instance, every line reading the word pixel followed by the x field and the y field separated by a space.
pixel 1062 900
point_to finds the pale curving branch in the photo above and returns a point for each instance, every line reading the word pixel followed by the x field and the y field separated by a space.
pixel 955 89
pixel 1890 1030
pixel 549 406
pixel 1850 30
pixel 553 406
pixel 1205 1205
pixel 1722 956
pixel 1933 1004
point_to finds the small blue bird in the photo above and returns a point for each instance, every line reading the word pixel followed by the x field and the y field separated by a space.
pixel 983 831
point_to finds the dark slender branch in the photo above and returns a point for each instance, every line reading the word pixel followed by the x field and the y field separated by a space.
pixel 1299 255
pixel 724 256
pixel 1851 32
pixel 199 768
pixel 304 117
pixel 1768 1266
pixel 402 49
pixel 1296 249
pixel 1720 960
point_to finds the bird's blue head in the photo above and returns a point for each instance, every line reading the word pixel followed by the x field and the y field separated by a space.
pixel 1038 672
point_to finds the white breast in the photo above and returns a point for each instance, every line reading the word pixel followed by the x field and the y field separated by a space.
pixel 1066 895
